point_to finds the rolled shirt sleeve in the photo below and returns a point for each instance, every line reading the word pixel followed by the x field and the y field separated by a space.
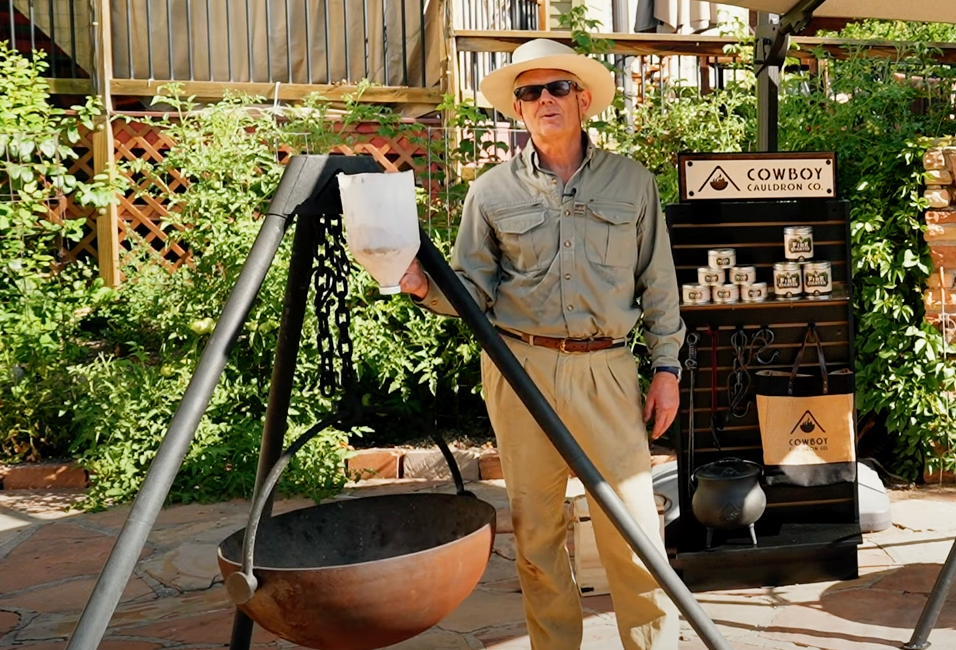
pixel 474 259
pixel 656 285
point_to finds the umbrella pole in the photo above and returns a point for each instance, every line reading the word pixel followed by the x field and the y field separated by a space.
pixel 501 355
pixel 934 604
pixel 770 51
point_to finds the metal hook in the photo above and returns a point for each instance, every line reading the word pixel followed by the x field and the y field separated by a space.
pixel 766 336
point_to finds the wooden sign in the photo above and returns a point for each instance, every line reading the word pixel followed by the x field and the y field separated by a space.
pixel 777 176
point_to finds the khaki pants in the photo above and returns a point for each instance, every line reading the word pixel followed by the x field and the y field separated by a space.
pixel 597 396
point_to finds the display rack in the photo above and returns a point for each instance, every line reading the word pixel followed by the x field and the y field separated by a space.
pixel 806 534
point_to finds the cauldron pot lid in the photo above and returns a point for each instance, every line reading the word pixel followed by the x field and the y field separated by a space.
pixel 728 469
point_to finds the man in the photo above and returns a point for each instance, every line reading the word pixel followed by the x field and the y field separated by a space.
pixel 565 248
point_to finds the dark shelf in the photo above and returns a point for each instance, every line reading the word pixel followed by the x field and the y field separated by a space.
pixel 840 296
pixel 806 534
pixel 791 554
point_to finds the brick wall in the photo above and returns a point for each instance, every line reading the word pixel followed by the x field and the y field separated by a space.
pixel 940 294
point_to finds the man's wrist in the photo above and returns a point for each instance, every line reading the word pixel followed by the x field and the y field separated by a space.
pixel 674 370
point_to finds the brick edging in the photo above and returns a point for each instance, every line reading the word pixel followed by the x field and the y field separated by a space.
pixel 382 463
pixel 43 476
pixel 474 463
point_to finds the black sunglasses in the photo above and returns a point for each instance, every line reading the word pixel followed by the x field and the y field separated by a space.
pixel 532 93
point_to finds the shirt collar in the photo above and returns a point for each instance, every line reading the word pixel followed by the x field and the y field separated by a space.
pixel 529 155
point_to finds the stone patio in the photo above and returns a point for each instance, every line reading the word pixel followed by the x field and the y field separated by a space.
pixel 50 558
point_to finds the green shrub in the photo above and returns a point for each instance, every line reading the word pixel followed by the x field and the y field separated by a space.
pixel 44 304
pixel 161 320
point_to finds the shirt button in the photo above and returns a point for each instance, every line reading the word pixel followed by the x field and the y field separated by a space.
pixel 567 276
pixel 570 307
pixel 567 243
pixel 567 212
pixel 554 181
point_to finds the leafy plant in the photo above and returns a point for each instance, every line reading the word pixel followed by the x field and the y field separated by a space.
pixel 43 303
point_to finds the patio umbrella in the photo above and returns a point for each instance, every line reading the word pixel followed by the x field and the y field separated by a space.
pixel 780 18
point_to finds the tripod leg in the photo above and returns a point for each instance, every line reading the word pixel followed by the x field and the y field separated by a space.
pixel 129 544
pixel 241 632
pixel 934 604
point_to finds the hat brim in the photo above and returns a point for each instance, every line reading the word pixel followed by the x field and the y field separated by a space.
pixel 498 86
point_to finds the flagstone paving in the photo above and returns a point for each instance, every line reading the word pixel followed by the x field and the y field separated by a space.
pixel 50 558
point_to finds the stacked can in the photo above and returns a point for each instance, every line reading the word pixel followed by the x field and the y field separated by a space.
pixel 720 263
pixel 711 279
pixel 745 277
pixel 800 275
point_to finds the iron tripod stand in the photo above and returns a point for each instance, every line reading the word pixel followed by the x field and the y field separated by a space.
pixel 308 189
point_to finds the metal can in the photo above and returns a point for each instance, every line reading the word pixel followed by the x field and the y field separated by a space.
pixel 817 279
pixel 743 275
pixel 787 280
pixel 798 242
pixel 721 258
pixel 711 277
pixel 756 292
pixel 695 294
pixel 726 294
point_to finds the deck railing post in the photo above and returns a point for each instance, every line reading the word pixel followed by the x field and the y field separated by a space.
pixel 107 220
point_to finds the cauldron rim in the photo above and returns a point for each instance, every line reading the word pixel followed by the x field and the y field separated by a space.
pixel 751 470
pixel 395 558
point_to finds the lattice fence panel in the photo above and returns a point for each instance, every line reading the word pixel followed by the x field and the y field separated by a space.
pixel 82 169
pixel 141 213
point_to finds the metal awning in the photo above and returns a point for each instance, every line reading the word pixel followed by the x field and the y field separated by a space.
pixel 781 18
pixel 929 11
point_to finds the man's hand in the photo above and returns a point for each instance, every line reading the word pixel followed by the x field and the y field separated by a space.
pixel 414 281
pixel 663 401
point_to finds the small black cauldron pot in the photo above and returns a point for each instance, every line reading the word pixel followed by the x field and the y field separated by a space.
pixel 728 496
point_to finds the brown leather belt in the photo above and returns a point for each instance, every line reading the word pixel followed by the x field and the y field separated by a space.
pixel 565 345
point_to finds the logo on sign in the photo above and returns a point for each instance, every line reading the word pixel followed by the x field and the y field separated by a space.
pixel 719 180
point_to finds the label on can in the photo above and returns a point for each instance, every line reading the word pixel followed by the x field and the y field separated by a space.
pixel 756 292
pixel 817 279
pixel 727 293
pixel 787 280
pixel 798 242
pixel 695 294
pixel 743 275
pixel 710 277
pixel 721 258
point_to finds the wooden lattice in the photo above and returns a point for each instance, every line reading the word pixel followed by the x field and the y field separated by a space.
pixel 141 213
pixel 82 169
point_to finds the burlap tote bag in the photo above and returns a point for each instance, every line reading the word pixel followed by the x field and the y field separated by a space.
pixel 807 422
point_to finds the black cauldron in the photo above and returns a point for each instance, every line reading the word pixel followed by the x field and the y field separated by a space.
pixel 728 496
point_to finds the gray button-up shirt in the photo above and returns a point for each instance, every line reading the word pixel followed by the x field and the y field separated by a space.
pixel 582 260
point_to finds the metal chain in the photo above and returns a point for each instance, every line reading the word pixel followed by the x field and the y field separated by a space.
pixel 331 282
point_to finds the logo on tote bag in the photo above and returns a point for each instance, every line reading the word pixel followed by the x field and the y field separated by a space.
pixel 807 424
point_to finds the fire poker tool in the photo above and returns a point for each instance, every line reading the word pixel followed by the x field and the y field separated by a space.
pixel 690 365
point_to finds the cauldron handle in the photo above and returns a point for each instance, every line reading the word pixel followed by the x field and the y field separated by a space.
pixel 449 458
pixel 242 584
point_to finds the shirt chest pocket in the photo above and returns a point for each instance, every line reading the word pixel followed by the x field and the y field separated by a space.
pixel 525 237
pixel 610 233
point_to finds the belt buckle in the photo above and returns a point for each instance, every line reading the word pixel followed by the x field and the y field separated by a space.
pixel 563 345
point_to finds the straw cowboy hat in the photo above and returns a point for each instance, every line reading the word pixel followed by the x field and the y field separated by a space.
pixel 539 54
